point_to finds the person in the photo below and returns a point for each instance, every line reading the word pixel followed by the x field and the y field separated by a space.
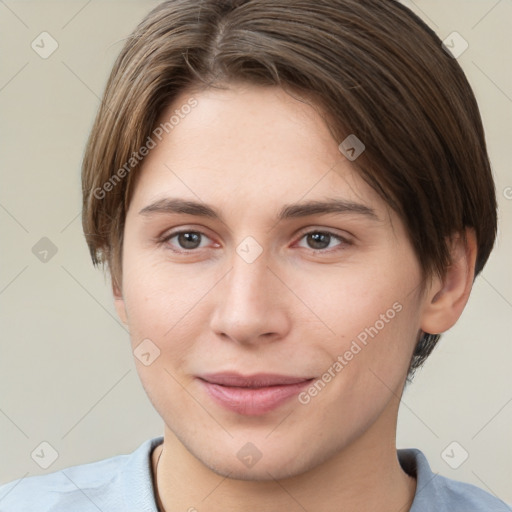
pixel 293 200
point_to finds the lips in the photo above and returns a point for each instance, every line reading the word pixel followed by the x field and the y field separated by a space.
pixel 252 395
pixel 260 380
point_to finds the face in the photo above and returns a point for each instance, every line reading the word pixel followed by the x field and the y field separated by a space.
pixel 279 293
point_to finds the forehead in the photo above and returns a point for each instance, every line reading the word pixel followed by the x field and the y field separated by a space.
pixel 247 146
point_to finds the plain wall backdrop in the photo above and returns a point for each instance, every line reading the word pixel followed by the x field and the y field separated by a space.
pixel 67 375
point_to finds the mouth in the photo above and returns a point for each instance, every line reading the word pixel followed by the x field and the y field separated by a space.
pixel 252 395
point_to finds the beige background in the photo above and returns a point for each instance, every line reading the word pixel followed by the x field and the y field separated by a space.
pixel 66 372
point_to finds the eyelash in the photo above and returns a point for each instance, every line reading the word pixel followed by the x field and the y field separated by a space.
pixel 343 242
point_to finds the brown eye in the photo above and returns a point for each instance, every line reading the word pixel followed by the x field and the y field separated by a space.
pixel 189 239
pixel 318 240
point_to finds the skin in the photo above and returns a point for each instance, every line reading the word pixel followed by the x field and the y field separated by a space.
pixel 247 151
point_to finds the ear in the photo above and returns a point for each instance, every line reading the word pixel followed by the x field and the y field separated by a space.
pixel 119 302
pixel 447 297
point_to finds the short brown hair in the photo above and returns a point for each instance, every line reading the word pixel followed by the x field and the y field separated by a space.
pixel 372 66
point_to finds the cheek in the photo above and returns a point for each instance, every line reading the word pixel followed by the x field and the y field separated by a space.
pixel 162 303
pixel 360 302
pixel 160 308
pixel 374 314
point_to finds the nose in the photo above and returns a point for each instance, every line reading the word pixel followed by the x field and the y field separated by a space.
pixel 251 304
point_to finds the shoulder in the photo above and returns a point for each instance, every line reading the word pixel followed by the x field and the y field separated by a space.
pixel 76 488
pixel 95 486
pixel 441 494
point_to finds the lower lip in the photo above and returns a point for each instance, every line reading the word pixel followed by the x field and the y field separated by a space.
pixel 252 401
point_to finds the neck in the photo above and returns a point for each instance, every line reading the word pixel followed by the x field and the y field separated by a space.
pixel 364 477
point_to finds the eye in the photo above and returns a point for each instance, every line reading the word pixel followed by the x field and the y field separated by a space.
pixel 186 240
pixel 321 240
pixel 189 240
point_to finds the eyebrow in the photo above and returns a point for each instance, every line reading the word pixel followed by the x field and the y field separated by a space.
pixel 288 211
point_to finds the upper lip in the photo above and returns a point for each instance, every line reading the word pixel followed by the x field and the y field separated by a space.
pixel 259 380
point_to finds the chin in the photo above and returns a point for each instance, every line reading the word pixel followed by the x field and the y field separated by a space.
pixel 261 472
pixel 275 463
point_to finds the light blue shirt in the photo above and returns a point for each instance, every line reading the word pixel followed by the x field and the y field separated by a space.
pixel 124 484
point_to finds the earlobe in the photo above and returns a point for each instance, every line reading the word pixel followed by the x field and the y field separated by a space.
pixel 448 296
pixel 119 303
